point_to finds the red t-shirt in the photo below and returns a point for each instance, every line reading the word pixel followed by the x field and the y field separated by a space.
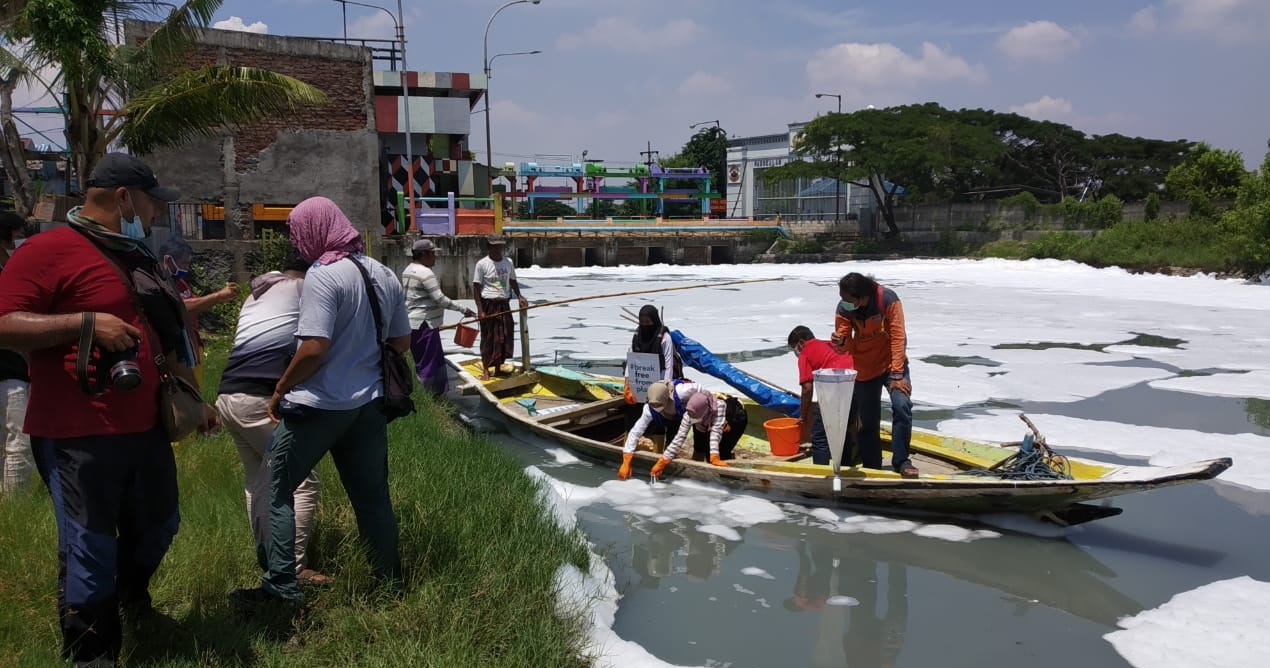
pixel 61 272
pixel 818 355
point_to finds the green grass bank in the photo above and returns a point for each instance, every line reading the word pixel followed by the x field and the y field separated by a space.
pixel 479 548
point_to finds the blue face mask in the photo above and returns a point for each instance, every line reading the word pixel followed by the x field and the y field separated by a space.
pixel 846 306
pixel 133 229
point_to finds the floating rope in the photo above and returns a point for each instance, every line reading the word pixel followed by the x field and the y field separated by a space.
pixel 1034 461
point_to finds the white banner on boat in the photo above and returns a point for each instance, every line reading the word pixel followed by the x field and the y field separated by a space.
pixel 641 371
pixel 834 388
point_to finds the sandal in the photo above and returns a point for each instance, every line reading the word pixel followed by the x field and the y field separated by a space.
pixel 313 578
pixel 908 471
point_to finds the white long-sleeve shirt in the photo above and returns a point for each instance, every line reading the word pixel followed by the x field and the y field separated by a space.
pixel 683 391
pixel 716 429
pixel 424 300
pixel 667 357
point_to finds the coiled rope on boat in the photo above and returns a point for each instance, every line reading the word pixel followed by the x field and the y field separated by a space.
pixel 1034 461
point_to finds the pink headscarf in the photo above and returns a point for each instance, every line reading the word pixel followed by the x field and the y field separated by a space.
pixel 321 232
pixel 701 408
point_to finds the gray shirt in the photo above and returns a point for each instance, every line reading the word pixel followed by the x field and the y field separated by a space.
pixel 334 306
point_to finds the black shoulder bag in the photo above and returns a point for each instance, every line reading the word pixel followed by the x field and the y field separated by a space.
pixel 399 378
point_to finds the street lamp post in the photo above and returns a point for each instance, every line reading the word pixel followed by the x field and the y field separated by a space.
pixel 489 149
pixel 399 23
pixel 837 177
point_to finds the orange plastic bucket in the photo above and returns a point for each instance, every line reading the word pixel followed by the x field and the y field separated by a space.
pixel 782 436
pixel 465 336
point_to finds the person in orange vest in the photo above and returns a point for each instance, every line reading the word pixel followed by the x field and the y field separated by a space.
pixel 869 325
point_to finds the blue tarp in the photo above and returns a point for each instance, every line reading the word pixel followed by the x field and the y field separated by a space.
pixel 696 356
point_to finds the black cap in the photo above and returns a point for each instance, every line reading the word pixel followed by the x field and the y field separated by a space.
pixel 120 170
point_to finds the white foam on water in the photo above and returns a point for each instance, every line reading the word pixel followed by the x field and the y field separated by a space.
pixel 726 533
pixel 742 590
pixel 1251 385
pixel 1219 625
pixel 842 600
pixel 1160 446
pixel 757 572
pixel 562 456
pixel 953 533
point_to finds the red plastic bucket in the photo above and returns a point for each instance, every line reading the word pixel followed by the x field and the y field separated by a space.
pixel 465 336
pixel 782 436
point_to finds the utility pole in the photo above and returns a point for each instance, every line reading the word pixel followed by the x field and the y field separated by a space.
pixel 649 155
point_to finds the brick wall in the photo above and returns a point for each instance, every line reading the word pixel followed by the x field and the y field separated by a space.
pixel 341 79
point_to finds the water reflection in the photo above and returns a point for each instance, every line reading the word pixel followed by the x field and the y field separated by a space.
pixel 660 550
pixel 845 592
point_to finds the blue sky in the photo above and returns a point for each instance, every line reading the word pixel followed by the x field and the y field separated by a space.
pixel 614 74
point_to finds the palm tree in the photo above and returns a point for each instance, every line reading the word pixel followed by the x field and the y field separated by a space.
pixel 141 95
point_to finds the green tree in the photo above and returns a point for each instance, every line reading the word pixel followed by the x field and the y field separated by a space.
pixel 1134 168
pixel 142 95
pixel 1208 175
pixel 707 148
pixel 1248 223
pixel 12 73
pixel 545 208
pixel 923 148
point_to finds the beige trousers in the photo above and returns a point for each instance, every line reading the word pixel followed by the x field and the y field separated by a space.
pixel 246 418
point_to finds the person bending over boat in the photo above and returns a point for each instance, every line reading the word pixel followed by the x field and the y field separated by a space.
pixel 869 325
pixel 493 285
pixel 722 421
pixel 814 355
pixel 663 412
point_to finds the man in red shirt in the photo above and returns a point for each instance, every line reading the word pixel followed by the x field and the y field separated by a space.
pixel 99 443
pixel 813 355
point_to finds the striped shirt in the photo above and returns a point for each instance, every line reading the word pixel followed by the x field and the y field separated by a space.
pixel 424 300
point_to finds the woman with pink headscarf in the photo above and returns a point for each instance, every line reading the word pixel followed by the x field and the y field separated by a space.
pixel 720 421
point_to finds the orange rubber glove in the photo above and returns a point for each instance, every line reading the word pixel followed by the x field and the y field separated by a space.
pixel 625 472
pixel 659 466
pixel 716 461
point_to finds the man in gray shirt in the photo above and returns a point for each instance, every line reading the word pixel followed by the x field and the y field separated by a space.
pixel 328 400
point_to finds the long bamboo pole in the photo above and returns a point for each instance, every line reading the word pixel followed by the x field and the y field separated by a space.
pixel 610 296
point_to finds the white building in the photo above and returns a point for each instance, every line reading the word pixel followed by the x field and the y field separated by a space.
pixel 803 199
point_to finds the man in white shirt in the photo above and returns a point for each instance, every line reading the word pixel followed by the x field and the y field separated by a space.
pixel 426 305
pixel 493 284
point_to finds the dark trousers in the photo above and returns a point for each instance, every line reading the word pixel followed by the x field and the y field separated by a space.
pixel 115 500
pixel 425 348
pixel 358 442
pixel 866 405
pixel 737 420
pixel 820 452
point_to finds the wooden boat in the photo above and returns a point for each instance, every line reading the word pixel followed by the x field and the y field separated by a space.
pixel 587 414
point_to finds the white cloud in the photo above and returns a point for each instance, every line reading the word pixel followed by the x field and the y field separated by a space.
pixel 376 25
pixel 1046 109
pixel 1229 20
pixel 703 84
pixel 883 72
pixel 235 23
pixel 1144 21
pixel 512 113
pixel 1039 40
pixel 620 33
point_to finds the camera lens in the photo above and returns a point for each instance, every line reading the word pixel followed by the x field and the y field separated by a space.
pixel 125 375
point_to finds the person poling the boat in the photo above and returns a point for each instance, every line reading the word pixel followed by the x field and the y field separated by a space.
pixel 813 355
pixel 664 410
pixel 494 284
pixel 869 326
pixel 721 421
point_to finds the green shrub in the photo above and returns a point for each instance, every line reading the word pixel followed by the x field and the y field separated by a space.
pixel 1006 248
pixel 1092 215
pixel 1151 208
pixel 1026 201
pixel 805 247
